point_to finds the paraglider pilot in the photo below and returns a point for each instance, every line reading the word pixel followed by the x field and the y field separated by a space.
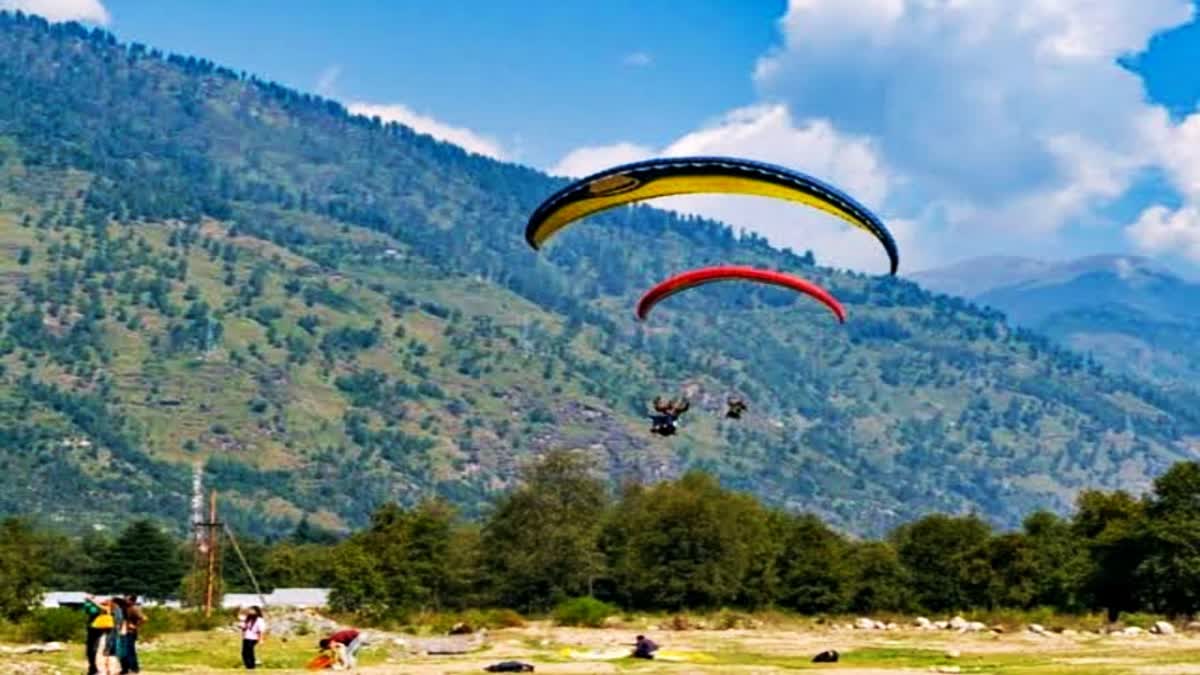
pixel 663 423
pixel 736 407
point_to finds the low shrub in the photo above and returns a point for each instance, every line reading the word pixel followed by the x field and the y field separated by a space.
pixel 58 624
pixel 493 619
pixel 161 620
pixel 1139 619
pixel 727 619
pixel 439 623
pixel 586 611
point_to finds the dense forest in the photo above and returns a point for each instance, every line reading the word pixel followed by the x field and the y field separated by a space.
pixel 325 313
pixel 681 544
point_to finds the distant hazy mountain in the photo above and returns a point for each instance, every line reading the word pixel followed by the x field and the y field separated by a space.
pixel 1131 313
pixel 969 278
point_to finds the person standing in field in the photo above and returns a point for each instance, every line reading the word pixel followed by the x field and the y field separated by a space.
pixel 114 643
pixel 134 619
pixel 254 628
pixel 99 625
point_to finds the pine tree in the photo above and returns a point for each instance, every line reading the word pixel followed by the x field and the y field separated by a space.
pixel 144 561
pixel 22 567
pixel 307 533
pixel 540 545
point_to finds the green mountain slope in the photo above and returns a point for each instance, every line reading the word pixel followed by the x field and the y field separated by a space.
pixel 327 312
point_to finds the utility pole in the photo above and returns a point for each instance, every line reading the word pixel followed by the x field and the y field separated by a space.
pixel 200 539
pixel 214 537
pixel 207 552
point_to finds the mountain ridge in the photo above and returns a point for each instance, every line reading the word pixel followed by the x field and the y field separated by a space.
pixel 1133 313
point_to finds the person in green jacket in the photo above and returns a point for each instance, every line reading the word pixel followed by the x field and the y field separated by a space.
pixel 99 625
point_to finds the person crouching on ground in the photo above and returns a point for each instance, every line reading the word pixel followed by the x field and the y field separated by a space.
pixel 644 648
pixel 345 645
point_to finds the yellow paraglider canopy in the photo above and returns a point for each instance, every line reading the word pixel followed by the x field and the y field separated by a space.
pixel 654 178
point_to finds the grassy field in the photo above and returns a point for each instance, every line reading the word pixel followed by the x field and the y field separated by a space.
pixel 772 650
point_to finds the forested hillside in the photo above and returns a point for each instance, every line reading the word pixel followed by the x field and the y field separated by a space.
pixel 197 266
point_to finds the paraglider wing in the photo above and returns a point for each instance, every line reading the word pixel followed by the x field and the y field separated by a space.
pixel 708 275
pixel 654 178
pixel 320 662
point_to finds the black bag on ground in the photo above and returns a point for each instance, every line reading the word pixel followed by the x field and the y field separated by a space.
pixel 827 656
pixel 510 667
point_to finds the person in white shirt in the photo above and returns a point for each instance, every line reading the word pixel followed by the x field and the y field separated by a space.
pixel 253 629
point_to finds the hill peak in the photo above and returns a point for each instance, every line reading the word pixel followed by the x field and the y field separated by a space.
pixel 975 277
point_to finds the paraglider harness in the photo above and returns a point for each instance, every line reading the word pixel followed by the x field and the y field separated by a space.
pixel 663 423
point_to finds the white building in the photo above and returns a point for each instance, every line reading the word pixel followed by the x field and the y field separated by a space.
pixel 303 598
pixel 238 600
pixel 63 599
pixel 300 598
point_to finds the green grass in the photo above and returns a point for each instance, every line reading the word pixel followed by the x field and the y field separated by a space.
pixel 717 651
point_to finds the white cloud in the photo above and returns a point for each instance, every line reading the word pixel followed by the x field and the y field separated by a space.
pixel 638 59
pixel 1102 29
pixel 327 80
pixel 985 101
pixel 1088 173
pixel 1163 231
pixel 1177 149
pixel 982 125
pixel 768 133
pixel 460 136
pixel 91 11
pixel 590 159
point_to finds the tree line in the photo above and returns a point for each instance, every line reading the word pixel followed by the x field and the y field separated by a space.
pixel 680 544
pixel 691 544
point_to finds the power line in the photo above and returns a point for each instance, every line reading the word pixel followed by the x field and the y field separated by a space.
pixel 246 566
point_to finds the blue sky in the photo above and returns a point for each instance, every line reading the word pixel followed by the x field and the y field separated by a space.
pixel 541 77
pixel 996 126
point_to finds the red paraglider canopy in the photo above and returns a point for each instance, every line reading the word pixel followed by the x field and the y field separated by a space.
pixel 707 275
